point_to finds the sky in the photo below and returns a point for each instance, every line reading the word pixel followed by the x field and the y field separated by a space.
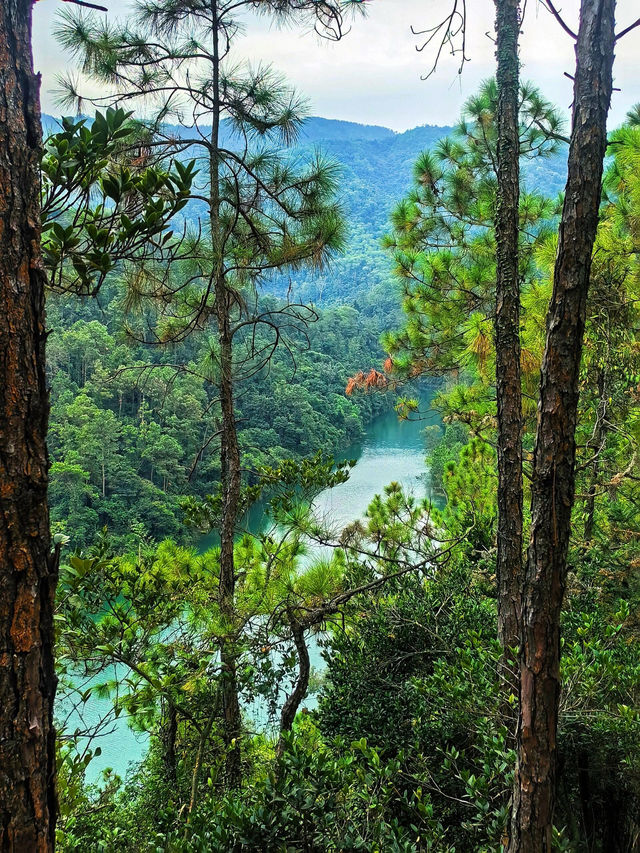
pixel 373 75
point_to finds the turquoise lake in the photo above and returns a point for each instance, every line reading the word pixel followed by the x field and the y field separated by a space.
pixel 392 450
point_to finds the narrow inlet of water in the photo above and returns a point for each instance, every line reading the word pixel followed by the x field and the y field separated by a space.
pixel 391 451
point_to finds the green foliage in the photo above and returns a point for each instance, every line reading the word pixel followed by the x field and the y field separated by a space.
pixel 443 241
pixel 318 798
pixel 444 448
pixel 322 797
pixel 104 200
pixel 417 672
pixel 142 417
pixel 470 511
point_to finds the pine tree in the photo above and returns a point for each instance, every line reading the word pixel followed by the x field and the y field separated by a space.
pixel 443 238
pixel 507 330
pixel 260 211
pixel 28 570
pixel 553 485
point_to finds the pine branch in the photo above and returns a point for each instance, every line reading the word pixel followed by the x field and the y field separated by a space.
pixel 551 8
pixel 628 29
pixel 87 5
pixel 451 27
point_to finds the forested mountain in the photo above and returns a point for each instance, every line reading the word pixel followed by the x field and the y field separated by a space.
pixel 376 173
pixel 376 168
pixel 111 419
pixel 130 432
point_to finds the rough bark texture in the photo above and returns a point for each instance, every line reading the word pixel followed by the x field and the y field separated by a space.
pixel 27 570
pixel 169 737
pixel 507 329
pixel 554 456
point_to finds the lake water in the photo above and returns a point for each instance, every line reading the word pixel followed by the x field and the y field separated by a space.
pixel 392 450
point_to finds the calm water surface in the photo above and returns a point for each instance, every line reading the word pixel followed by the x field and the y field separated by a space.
pixel 392 450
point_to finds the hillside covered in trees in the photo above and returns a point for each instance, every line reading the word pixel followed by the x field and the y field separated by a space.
pixel 118 429
pixel 210 301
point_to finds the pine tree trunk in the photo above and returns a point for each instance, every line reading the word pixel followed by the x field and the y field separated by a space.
pixel 507 330
pixel 292 703
pixel 230 476
pixel 554 456
pixel 230 473
pixel 27 570
pixel 169 738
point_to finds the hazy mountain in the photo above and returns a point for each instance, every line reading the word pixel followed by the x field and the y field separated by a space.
pixel 376 172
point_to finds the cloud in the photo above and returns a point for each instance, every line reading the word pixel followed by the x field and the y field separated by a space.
pixel 373 74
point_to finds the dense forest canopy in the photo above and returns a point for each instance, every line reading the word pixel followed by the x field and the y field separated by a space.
pixel 237 296
pixel 94 363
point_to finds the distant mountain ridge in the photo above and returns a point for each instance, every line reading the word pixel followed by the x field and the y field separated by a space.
pixel 377 165
pixel 317 129
pixel 314 129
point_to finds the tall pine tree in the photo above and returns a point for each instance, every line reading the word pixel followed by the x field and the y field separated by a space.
pixel 553 484
pixel 258 210
pixel 27 568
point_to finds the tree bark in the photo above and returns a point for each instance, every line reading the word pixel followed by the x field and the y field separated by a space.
pixel 230 476
pixel 507 330
pixel 27 569
pixel 197 767
pixel 554 456
pixel 292 703
pixel 169 737
pixel 230 472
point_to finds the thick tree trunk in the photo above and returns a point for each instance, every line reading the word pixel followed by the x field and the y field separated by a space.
pixel 507 330
pixel 292 703
pixel 27 570
pixel 554 457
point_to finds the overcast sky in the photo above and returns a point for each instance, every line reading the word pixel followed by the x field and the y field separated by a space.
pixel 373 75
